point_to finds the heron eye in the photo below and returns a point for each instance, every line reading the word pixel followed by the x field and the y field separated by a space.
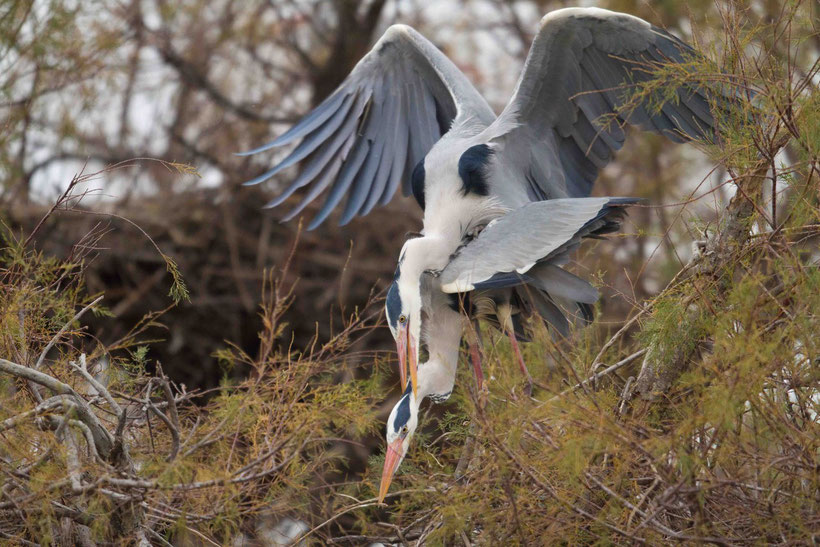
pixel 402 319
pixel 404 430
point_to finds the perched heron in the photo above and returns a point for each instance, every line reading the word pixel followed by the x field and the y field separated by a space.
pixel 500 195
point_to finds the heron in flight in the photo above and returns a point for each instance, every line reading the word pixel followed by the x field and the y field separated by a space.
pixel 500 194
pixel 406 115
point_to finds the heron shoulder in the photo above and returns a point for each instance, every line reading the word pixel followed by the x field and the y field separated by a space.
pixel 473 169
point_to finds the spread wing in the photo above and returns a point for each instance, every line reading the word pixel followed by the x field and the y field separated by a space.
pixel 504 252
pixel 562 124
pixel 370 133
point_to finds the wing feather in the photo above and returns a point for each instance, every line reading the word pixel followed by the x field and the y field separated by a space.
pixel 397 170
pixel 320 161
pixel 342 183
pixel 313 120
pixel 569 101
pixel 559 282
pixel 403 72
pixel 319 185
pixel 365 179
pixel 310 143
pixel 381 179
pixel 514 243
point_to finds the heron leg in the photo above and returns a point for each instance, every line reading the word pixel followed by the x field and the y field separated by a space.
pixel 474 343
pixel 475 357
pixel 520 359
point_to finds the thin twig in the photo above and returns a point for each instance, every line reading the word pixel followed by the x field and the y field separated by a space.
pixel 597 376
pixel 82 369
pixel 62 331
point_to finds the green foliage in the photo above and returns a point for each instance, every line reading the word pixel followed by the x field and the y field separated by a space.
pixel 179 291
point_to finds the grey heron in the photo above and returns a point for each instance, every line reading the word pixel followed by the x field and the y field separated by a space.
pixel 407 115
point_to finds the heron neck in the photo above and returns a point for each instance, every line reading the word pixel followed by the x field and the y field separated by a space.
pixel 436 378
pixel 442 336
pixel 429 252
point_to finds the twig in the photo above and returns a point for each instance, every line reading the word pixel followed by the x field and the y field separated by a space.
pixel 37 377
pixel 101 389
pixel 171 427
pixel 466 454
pixel 611 341
pixel 62 331
pixel 172 413
pixel 47 454
pixel 597 376
pixel 17 540
pixel 156 535
pixel 654 523
pixel 62 199
pixel 54 339
pixel 89 438
pixel 550 491
pixel 59 423
pixel 625 395
pixel 361 505
pixel 72 460
pixel 46 405
pixel 154 485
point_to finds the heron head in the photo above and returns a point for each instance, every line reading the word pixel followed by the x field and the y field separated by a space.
pixel 403 310
pixel 400 428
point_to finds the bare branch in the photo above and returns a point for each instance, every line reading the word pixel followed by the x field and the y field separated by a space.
pixel 82 369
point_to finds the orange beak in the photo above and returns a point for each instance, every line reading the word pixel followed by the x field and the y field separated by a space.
pixel 401 349
pixel 413 351
pixel 406 347
pixel 392 459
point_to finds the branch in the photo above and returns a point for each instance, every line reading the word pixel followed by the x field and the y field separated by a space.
pixel 597 376
pixel 46 405
pixel 659 370
pixel 172 412
pixel 37 377
pixel 62 331
pixel 82 369
pixel 174 429
pixel 102 438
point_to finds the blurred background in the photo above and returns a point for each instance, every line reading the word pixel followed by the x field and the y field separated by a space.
pixel 87 85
